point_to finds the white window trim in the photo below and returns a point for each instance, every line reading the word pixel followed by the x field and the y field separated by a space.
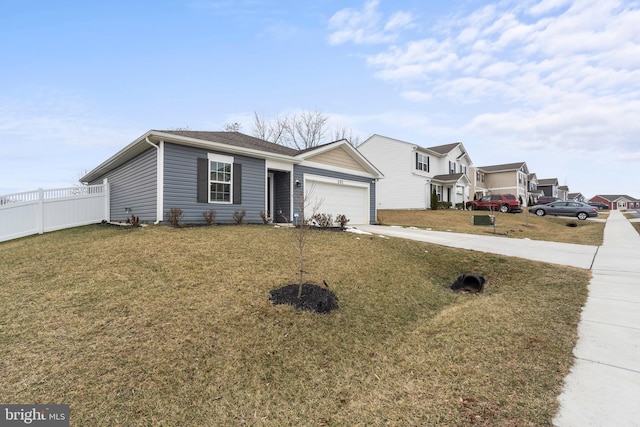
pixel 426 162
pixel 222 159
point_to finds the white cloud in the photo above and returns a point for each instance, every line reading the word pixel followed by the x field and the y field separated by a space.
pixel 366 25
pixel 560 72
pixel 399 21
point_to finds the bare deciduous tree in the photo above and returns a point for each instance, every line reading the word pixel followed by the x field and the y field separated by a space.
pixel 342 132
pixel 232 127
pixel 300 131
pixel 270 130
pixel 307 129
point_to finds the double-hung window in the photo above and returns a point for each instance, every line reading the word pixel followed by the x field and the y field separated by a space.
pixel 422 162
pixel 220 178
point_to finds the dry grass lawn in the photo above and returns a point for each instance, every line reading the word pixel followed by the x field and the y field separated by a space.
pixel 173 327
pixel 516 225
pixel 635 225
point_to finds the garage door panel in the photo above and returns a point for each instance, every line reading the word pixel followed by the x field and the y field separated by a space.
pixel 334 199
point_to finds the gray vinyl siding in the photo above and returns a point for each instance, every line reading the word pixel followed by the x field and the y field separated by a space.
pixel 298 192
pixel 133 185
pixel 180 186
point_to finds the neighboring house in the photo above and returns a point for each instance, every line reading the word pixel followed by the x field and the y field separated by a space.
pixel 563 192
pixel 532 189
pixel 229 171
pixel 548 186
pixel 617 201
pixel 577 197
pixel 510 178
pixel 412 173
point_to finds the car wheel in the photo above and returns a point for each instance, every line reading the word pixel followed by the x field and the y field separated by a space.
pixel 471 207
pixel 504 208
pixel 540 212
pixel 582 216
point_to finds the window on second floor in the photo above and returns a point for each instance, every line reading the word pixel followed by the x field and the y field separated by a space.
pixel 422 162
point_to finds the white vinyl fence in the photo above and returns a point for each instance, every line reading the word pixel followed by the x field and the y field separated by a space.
pixel 40 211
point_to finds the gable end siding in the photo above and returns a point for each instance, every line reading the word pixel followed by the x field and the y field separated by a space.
pixel 133 185
pixel 337 157
pixel 181 185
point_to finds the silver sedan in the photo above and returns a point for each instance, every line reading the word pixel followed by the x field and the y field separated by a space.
pixel 563 208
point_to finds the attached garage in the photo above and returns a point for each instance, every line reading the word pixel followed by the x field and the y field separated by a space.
pixel 338 196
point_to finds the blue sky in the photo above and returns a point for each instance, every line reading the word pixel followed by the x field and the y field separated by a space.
pixel 554 83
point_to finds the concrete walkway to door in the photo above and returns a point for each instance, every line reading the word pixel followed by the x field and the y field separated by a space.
pixel 603 386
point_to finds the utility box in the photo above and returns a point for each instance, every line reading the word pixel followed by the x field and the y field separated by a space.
pixel 483 219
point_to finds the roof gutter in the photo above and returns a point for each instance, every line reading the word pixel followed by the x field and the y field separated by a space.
pixel 159 178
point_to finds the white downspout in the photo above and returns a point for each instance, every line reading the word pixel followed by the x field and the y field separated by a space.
pixel 159 178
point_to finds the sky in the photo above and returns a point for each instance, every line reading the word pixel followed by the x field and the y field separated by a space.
pixel 553 83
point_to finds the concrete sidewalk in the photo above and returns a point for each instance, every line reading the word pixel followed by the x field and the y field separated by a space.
pixel 603 387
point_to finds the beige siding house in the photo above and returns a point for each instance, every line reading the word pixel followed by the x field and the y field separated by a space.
pixel 510 178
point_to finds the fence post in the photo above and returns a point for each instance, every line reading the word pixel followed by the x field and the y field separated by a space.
pixel 40 211
pixel 107 200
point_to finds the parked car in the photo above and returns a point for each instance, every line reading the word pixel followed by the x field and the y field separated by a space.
pixel 599 205
pixel 543 200
pixel 564 208
pixel 496 202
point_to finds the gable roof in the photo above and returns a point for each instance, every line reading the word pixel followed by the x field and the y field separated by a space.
pixel 233 142
pixel 236 139
pixel 438 150
pixel 616 197
pixel 452 177
pixel 444 149
pixel 505 167
pixel 547 181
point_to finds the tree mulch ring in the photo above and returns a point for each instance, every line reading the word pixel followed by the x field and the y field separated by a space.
pixel 317 299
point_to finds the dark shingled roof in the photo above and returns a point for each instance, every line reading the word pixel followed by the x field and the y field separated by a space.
pixel 448 177
pixel 443 149
pixel 504 167
pixel 548 181
pixel 236 139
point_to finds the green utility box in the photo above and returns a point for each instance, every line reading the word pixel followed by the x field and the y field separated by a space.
pixel 483 219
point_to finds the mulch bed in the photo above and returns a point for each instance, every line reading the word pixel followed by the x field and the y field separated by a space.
pixel 314 298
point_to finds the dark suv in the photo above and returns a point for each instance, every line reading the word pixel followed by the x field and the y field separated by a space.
pixel 496 202
pixel 543 200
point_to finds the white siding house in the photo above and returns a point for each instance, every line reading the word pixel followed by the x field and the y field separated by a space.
pixel 412 172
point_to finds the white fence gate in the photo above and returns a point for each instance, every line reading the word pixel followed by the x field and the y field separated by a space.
pixel 40 211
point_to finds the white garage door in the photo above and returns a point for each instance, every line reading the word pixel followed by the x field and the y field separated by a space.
pixel 334 196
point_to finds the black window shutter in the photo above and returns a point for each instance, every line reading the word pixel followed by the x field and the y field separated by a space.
pixel 417 161
pixel 237 184
pixel 203 181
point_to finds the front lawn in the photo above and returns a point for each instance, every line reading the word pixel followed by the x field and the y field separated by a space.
pixel 517 225
pixel 173 327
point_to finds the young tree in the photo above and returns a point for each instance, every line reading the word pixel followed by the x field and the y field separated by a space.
pixel 307 209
